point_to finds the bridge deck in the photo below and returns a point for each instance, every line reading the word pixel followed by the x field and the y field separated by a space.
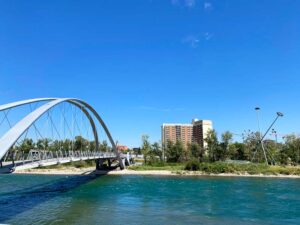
pixel 31 164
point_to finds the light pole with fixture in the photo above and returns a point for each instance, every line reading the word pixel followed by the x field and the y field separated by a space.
pixel 257 109
pixel 279 114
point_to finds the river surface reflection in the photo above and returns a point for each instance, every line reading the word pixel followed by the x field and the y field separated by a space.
pixel 44 199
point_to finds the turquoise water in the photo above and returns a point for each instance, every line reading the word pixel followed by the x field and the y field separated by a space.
pixel 41 199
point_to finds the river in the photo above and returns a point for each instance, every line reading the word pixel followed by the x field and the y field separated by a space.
pixel 45 199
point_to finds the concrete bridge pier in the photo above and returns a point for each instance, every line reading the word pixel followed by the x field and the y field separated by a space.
pixel 101 165
pixel 109 163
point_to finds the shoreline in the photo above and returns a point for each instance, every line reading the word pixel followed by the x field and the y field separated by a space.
pixel 183 173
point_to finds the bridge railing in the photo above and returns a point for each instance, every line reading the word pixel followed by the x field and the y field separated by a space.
pixel 36 155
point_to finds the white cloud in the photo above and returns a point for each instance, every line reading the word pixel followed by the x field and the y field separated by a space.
pixel 208 6
pixel 191 40
pixel 208 36
pixel 175 2
pixel 190 3
pixel 185 3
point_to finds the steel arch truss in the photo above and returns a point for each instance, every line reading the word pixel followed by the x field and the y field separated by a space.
pixel 12 135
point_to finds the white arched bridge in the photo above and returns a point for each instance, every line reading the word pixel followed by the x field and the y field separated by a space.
pixel 48 131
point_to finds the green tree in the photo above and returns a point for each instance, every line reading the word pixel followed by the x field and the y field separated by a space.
pixel 174 152
pixel 146 147
pixel 27 145
pixel 80 143
pixel 157 150
pixel 103 147
pixel 67 145
pixel 43 144
pixel 292 148
pixel 92 146
pixel 253 146
pixel 238 151
pixel 272 151
pixel 212 145
pixel 223 150
pixel 196 151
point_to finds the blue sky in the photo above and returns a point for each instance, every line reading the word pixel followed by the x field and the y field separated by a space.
pixel 141 63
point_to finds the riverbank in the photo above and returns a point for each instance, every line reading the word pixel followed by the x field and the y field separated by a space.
pixel 193 173
pixel 88 171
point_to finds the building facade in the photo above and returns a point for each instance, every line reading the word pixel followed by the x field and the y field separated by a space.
pixel 186 133
pixel 122 147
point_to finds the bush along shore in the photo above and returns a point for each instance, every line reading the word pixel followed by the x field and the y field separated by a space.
pixel 193 167
pixel 249 168
pixel 221 168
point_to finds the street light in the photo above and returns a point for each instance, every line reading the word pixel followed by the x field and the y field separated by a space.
pixel 274 132
pixel 276 139
pixel 279 114
pixel 257 109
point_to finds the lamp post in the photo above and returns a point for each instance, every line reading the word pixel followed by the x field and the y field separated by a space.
pixel 257 109
pixel 279 114
pixel 276 138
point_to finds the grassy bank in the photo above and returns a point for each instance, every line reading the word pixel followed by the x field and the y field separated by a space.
pixel 76 164
pixel 222 167
pixel 159 166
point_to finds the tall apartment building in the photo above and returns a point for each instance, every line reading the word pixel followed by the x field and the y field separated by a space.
pixel 186 133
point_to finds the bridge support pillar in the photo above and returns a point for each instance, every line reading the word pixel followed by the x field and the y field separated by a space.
pixel 123 163
pixel 109 163
pixel 99 164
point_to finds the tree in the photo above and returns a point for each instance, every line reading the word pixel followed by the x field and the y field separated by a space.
pixel 174 151
pixel 146 147
pixel 103 147
pixel 186 153
pixel 212 145
pixel 67 145
pixel 55 145
pixel 26 145
pixel 195 150
pixel 238 151
pixel 292 148
pixel 252 144
pixel 157 150
pixel 80 143
pixel 43 144
pixel 227 138
pixel 223 151
pixel 92 146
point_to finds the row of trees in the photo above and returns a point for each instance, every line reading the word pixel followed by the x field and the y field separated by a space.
pixel 79 143
pixel 250 149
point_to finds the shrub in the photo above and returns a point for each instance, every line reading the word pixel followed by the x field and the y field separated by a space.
pixel 192 165
pixel 80 164
pixel 156 164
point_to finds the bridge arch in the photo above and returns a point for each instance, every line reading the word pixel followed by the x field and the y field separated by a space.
pixel 12 135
